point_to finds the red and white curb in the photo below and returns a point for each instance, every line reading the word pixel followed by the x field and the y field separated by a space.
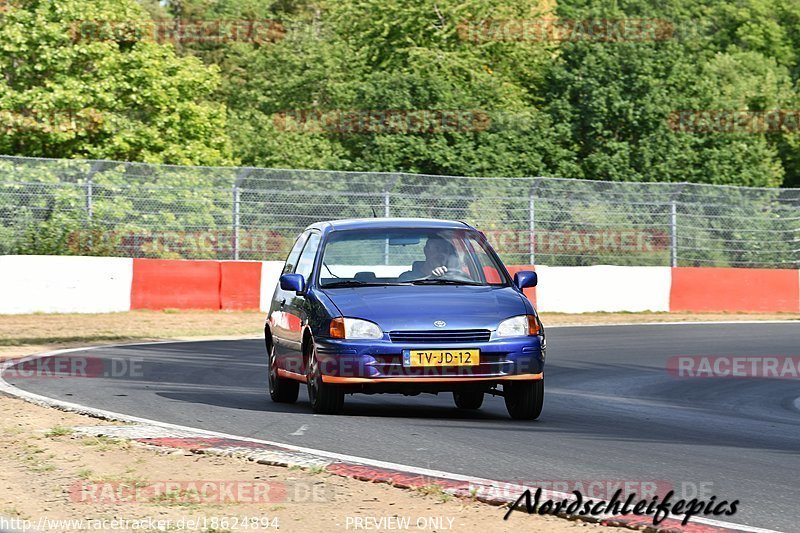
pixel 163 434
pixel 400 476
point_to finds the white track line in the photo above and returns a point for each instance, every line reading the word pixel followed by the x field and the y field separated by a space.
pixel 111 415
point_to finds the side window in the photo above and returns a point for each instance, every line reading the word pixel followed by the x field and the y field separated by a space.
pixel 484 262
pixel 291 261
pixel 306 262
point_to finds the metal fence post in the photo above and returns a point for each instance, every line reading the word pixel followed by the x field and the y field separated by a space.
pixel 673 224
pixel 96 167
pixel 89 198
pixel 386 214
pixel 673 233
pixel 243 173
pixel 531 228
pixel 236 221
pixel 532 222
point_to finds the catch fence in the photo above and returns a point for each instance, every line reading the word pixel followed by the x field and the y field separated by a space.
pixel 85 207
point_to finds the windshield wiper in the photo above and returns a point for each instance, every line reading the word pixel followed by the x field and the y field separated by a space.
pixel 346 283
pixel 440 281
pixel 356 283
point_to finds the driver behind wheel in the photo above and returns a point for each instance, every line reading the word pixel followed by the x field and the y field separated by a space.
pixel 440 257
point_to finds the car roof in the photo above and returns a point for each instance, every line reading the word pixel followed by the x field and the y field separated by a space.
pixel 378 223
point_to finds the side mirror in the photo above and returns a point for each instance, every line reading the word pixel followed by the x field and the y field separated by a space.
pixel 525 278
pixel 293 282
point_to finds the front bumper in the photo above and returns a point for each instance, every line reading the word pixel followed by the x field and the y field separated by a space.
pixel 381 361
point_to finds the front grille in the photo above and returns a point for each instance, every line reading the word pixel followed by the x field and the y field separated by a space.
pixel 441 336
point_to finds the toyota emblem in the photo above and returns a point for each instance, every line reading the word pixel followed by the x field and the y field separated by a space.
pixel 440 323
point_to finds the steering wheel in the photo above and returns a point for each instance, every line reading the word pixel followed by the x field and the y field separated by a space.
pixel 454 275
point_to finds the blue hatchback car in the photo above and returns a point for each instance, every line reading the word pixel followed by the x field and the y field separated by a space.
pixel 409 306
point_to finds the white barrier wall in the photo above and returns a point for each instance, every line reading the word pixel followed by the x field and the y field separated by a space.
pixel 602 288
pixel 58 284
pixel 270 272
pixel 61 284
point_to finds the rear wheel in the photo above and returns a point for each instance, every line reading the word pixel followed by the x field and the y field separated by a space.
pixel 325 398
pixel 524 399
pixel 281 390
pixel 468 400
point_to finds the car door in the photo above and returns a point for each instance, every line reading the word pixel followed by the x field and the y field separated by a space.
pixel 298 307
pixel 279 321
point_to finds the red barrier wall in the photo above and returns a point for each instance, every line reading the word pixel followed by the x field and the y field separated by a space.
pixel 165 284
pixel 240 285
pixel 530 293
pixel 178 284
pixel 734 289
pixel 169 284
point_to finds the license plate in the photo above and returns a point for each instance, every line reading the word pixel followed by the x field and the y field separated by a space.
pixel 469 357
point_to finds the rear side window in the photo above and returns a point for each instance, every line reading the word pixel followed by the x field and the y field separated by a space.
pixel 305 265
pixel 291 261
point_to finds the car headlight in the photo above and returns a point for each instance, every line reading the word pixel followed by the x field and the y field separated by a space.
pixel 354 328
pixel 518 326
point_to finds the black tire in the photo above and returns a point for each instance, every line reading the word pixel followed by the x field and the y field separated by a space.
pixel 468 400
pixel 281 390
pixel 524 399
pixel 325 398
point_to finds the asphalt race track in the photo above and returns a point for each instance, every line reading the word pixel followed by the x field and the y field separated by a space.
pixel 612 412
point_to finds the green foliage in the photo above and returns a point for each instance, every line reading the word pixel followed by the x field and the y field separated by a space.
pixel 72 89
pixel 597 110
pixel 76 87
pixel 586 109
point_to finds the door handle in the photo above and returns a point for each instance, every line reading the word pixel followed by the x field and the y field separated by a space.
pixel 283 302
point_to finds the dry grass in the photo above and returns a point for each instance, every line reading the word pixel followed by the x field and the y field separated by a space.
pixel 16 330
pixel 39 332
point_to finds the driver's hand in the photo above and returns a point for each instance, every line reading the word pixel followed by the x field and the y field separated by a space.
pixel 439 271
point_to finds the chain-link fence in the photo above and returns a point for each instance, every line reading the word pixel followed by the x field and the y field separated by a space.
pixel 85 207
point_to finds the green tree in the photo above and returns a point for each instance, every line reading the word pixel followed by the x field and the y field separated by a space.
pixel 74 86
pixel 363 55
pixel 618 97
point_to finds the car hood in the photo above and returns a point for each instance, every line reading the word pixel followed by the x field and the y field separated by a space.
pixel 411 307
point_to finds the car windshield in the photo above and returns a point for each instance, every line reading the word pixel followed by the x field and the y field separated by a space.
pixel 418 256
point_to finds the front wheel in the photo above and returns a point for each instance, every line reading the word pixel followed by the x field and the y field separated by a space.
pixel 524 399
pixel 468 400
pixel 325 398
pixel 281 390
